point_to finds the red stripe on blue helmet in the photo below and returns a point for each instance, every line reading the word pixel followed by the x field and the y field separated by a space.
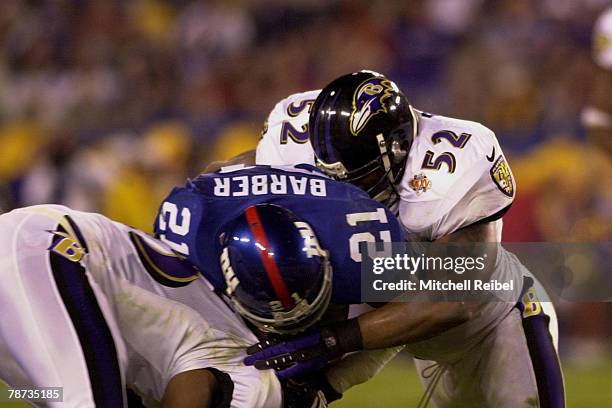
pixel 267 258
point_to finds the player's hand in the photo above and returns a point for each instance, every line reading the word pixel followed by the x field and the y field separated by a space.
pixel 307 353
pixel 299 356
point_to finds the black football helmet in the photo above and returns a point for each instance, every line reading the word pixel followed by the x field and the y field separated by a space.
pixel 361 129
pixel 277 275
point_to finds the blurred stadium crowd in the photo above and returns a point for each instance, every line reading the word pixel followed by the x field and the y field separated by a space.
pixel 105 105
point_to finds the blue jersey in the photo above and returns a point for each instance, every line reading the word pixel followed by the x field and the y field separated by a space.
pixel 342 216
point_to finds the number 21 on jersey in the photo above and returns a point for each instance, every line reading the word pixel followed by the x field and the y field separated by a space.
pixel 358 238
pixel 178 224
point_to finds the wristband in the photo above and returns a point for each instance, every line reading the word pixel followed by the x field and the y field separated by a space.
pixel 342 338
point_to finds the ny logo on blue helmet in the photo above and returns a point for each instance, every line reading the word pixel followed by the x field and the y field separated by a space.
pixel 278 276
pixel 368 101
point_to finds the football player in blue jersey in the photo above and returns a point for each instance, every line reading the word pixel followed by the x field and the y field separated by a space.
pixel 284 244
pixel 191 219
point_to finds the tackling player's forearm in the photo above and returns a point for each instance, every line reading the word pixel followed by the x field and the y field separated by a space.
pixel 396 324
pixel 408 322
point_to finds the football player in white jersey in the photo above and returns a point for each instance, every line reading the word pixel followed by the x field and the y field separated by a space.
pixel 597 117
pixel 93 306
pixel 448 181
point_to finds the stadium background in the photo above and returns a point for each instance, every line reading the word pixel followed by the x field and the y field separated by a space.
pixel 105 105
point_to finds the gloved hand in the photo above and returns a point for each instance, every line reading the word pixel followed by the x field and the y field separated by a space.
pixel 307 353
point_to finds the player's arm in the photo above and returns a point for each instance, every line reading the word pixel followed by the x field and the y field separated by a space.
pixel 405 322
pixel 400 323
pixel 191 389
pixel 393 324
pixel 247 158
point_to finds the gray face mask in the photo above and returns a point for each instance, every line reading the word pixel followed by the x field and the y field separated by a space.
pixel 298 319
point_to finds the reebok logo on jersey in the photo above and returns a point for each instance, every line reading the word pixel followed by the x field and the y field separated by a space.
pixel 492 157
pixel 368 101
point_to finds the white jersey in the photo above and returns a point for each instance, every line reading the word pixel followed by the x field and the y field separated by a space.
pixel 284 139
pixel 164 317
pixel 456 173
pixel 602 40
pixel 455 176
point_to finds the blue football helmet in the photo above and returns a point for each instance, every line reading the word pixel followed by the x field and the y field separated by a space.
pixel 277 275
